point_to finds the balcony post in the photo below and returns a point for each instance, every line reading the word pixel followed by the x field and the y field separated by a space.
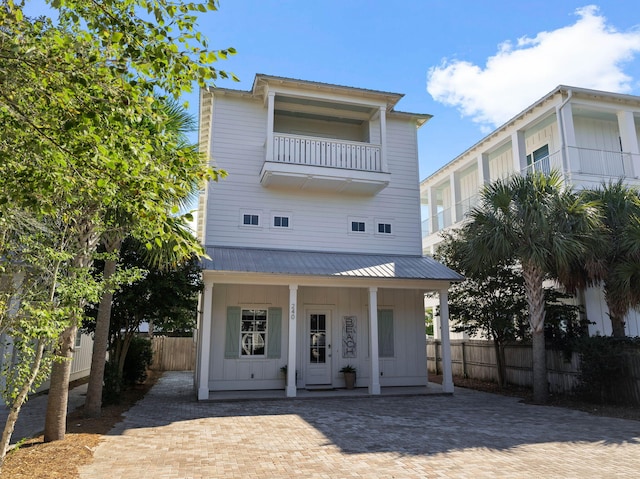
pixel 484 176
pixel 569 140
pixel 433 210
pixel 455 198
pixel 519 151
pixel 383 139
pixel 270 109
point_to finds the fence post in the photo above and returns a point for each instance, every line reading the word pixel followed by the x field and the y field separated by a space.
pixel 464 360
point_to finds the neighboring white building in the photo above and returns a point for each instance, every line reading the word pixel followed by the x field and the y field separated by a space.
pixel 314 240
pixel 590 136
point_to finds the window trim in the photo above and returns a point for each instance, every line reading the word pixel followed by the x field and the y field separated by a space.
pixel 265 333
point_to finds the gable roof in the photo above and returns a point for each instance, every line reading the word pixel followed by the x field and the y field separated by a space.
pixel 311 263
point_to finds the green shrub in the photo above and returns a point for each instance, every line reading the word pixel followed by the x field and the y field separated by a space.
pixel 605 370
pixel 112 386
pixel 137 362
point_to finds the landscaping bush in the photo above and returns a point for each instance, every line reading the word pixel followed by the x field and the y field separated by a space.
pixel 607 369
pixel 138 360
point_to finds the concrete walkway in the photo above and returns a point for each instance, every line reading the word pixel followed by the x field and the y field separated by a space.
pixel 31 418
pixel 169 435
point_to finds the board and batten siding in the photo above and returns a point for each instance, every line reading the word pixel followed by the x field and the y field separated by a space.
pixel 406 367
pixel 320 221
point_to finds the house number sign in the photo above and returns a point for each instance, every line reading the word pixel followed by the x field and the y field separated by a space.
pixel 349 337
pixel 293 312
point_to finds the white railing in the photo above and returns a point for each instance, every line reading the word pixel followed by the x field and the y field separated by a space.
pixel 614 164
pixel 546 164
pixel 312 151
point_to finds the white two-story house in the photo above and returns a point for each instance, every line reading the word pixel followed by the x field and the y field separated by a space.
pixel 314 240
pixel 590 136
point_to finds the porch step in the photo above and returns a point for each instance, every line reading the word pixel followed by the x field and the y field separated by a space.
pixel 319 387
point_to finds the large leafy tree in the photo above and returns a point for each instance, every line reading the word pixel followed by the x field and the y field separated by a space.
pixel 540 223
pixel 76 103
pixel 618 256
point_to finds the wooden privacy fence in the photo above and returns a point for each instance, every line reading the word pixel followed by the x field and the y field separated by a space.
pixel 477 360
pixel 173 354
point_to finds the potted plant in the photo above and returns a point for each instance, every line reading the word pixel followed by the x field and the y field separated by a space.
pixel 349 376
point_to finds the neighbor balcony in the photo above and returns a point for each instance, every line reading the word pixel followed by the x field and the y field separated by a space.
pixel 324 164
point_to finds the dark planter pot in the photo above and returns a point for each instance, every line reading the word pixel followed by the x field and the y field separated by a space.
pixel 350 380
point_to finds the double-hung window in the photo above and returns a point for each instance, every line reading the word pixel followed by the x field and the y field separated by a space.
pixel 253 332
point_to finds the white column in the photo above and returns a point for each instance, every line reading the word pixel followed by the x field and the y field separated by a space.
pixel 484 176
pixel 519 149
pixel 433 210
pixel 569 138
pixel 205 343
pixel 455 198
pixel 291 358
pixel 447 376
pixel 383 139
pixel 270 108
pixel 629 140
pixel 374 382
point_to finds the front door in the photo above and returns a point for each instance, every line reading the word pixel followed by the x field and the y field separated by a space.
pixel 318 348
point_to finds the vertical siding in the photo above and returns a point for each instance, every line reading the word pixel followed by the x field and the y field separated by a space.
pixel 320 221
pixel 501 163
pixel 407 367
pixel 597 134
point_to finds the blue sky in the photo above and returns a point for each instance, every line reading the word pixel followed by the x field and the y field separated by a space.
pixel 470 64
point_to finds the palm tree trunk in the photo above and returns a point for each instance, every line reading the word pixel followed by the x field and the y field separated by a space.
pixel 533 282
pixel 500 363
pixel 93 401
pixel 617 321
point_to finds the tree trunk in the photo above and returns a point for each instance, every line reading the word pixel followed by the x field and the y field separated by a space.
pixel 533 283
pixel 15 407
pixel 126 341
pixel 500 363
pixel 617 321
pixel 93 401
pixel 55 424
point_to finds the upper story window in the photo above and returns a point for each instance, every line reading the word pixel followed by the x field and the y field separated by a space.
pixel 250 218
pixel 281 221
pixel 384 228
pixel 358 226
pixel 539 160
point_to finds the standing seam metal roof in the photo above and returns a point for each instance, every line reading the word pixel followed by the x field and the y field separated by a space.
pixel 288 262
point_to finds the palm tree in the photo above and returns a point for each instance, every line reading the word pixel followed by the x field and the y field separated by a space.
pixel 618 257
pixel 544 226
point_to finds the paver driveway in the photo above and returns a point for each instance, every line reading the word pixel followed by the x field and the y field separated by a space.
pixel 169 435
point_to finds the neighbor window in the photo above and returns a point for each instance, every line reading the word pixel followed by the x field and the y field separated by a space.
pixel 386 347
pixel 253 332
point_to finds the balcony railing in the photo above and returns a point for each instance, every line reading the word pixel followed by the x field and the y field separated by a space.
pixel 313 151
pixel 546 164
pixel 464 206
pixel 613 164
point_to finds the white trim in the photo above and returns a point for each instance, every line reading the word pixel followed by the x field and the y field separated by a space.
pixel 447 375
pixel 205 350
pixel 386 221
pixel 374 380
pixel 282 214
pixel 292 319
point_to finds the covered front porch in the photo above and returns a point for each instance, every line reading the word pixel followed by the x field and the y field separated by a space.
pixel 315 313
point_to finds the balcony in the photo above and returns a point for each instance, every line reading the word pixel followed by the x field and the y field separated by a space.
pixel 324 164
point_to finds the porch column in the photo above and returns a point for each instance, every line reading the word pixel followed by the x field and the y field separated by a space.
pixel 519 149
pixel 383 139
pixel 568 137
pixel 447 376
pixel 433 210
pixel 291 358
pixel 374 382
pixel 205 343
pixel 629 141
pixel 271 96
pixel 455 197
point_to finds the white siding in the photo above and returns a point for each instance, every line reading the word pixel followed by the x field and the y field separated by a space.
pixel 407 367
pixel 468 183
pixel 542 134
pixel 597 134
pixel 501 163
pixel 320 220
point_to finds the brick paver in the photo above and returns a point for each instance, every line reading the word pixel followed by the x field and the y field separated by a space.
pixel 169 435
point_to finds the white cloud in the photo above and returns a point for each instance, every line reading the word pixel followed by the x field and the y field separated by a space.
pixel 587 54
